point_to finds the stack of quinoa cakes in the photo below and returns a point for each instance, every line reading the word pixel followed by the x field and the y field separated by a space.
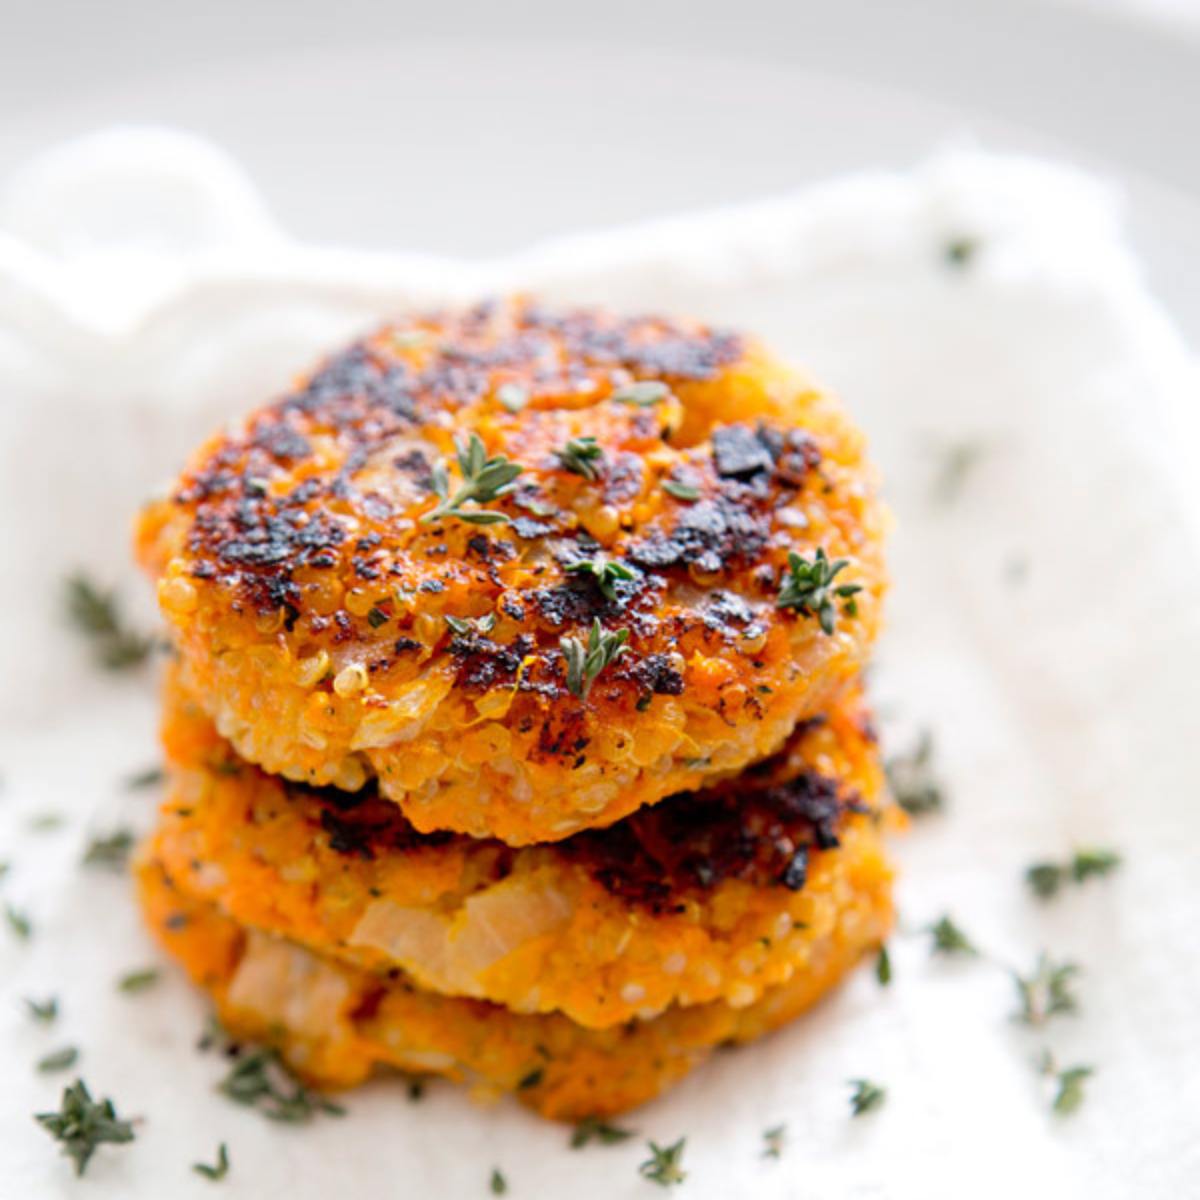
pixel 515 731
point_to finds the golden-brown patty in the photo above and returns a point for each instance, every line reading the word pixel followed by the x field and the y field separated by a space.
pixel 676 488
pixel 719 895
pixel 334 1023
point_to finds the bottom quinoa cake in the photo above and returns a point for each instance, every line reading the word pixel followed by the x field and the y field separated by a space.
pixel 334 1023
pixel 724 898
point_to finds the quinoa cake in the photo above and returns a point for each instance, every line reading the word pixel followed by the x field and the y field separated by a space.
pixel 334 1023
pixel 528 571
pixel 721 895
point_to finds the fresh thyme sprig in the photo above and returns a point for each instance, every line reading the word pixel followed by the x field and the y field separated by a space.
pixel 260 1080
pixel 605 571
pixel 950 940
pixel 593 1129
pixel 1046 991
pixel 585 662
pixel 866 1097
pixel 81 1124
pixel 581 456
pixel 911 779
pixel 665 1164
pixel 110 850
pixel 808 587
pixel 1045 879
pixel 215 1171
pixel 94 613
pixel 483 480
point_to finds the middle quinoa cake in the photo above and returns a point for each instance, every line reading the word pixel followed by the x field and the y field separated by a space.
pixel 716 896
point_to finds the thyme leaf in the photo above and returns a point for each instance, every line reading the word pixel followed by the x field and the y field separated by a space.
pixel 138 981
pixel 585 662
pixel 773 1141
pixel 1045 879
pixel 808 587
pixel 644 394
pixel 948 939
pixel 1046 991
pixel 215 1171
pixel 260 1080
pixel 95 615
pixel 605 571
pixel 866 1097
pixel 58 1060
pixel 483 480
pixel 581 456
pixel 81 1124
pixel 911 779
pixel 665 1164
pixel 593 1129
pixel 110 850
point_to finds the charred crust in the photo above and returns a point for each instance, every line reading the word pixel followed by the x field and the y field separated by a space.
pixel 717 532
pixel 764 835
pixel 484 664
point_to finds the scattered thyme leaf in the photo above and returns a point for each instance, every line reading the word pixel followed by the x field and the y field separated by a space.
pixel 645 394
pixel 45 1012
pixel 59 1060
pixel 1046 991
pixel 483 480
pixel 215 1171
pixel 960 251
pixel 512 397
pixel 138 981
pixel 866 1097
pixel 581 456
pixel 585 662
pixel 81 1124
pixel 46 822
pixel 150 777
pixel 593 1129
pixel 531 1079
pixel 808 587
pixel 95 615
pixel 110 850
pixel 956 463
pixel 605 571
pixel 773 1141
pixel 18 922
pixel 466 625
pixel 883 967
pixel 498 1184
pixel 665 1164
pixel 1046 879
pixel 1069 1095
pixel 911 779
pixel 260 1080
pixel 681 491
pixel 949 939
pixel 376 617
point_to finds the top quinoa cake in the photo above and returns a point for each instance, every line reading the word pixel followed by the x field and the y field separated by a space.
pixel 531 570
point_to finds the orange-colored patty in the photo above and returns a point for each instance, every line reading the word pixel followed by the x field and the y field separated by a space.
pixel 322 617
pixel 719 895
pixel 334 1023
